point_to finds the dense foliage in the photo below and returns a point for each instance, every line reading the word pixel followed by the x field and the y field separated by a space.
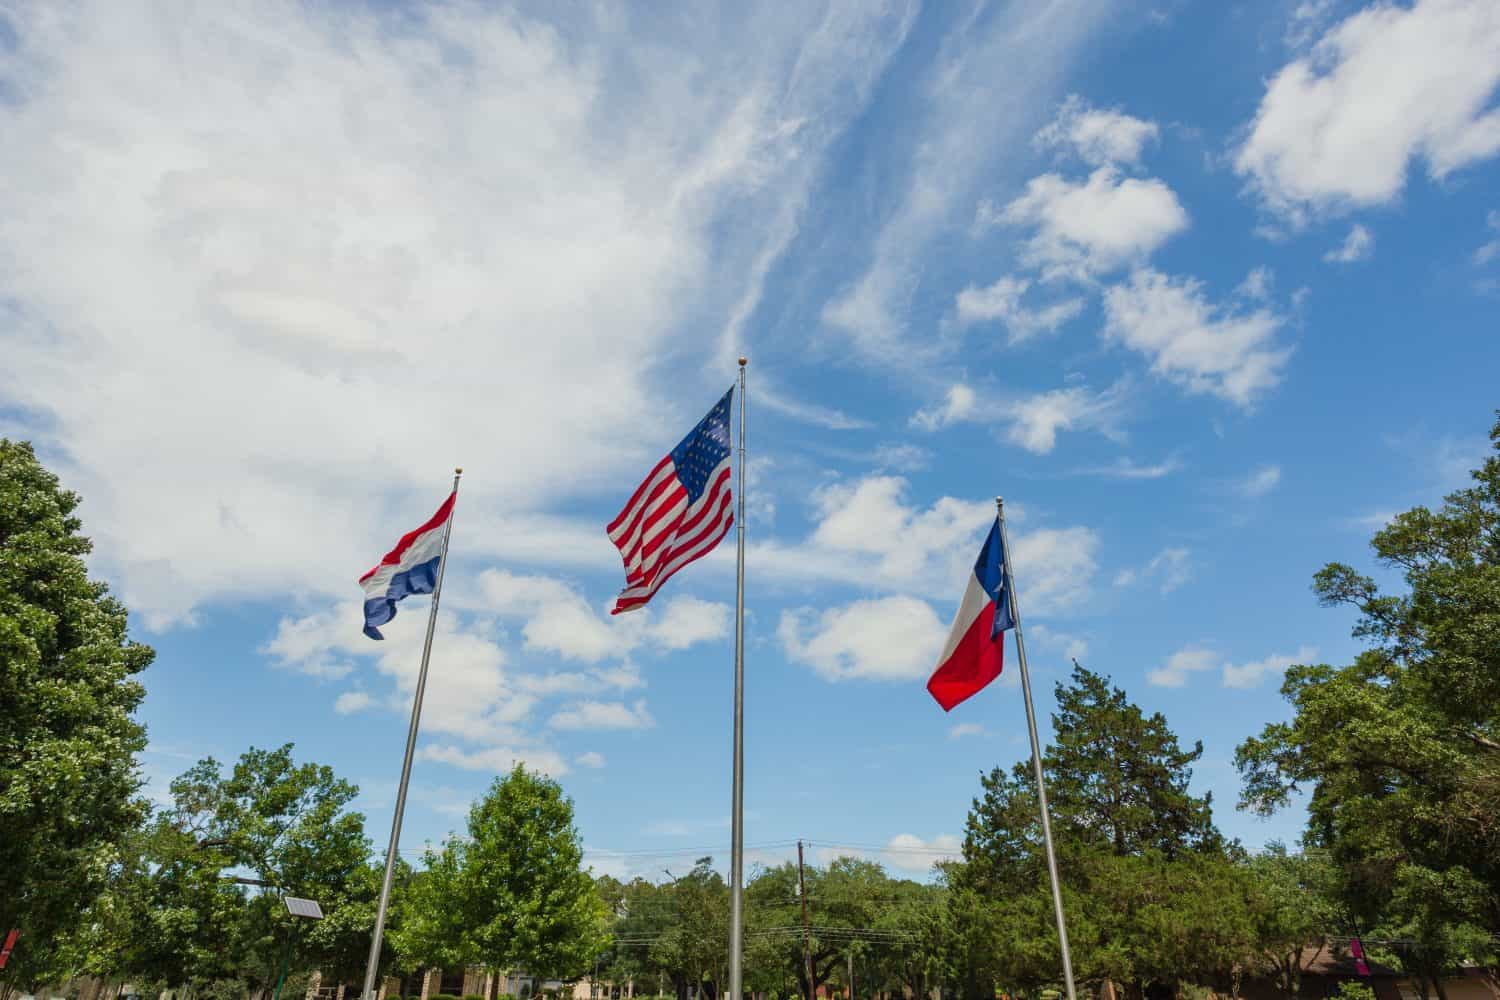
pixel 514 893
pixel 68 737
pixel 1401 748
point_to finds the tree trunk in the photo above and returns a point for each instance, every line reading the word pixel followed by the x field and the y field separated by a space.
pixel 1438 987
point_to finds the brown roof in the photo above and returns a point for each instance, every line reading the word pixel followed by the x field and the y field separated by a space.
pixel 1333 959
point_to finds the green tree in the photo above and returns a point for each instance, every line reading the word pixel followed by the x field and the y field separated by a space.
pixel 68 737
pixel 1401 748
pixel 291 825
pixel 1119 777
pixel 1146 874
pixel 1292 907
pixel 514 894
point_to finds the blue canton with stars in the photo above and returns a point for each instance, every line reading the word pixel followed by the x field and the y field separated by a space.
pixel 703 449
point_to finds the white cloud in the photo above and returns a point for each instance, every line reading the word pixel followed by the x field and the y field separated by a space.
pixel 1251 675
pixel 603 715
pixel 687 620
pixel 1096 135
pixel 624 677
pixel 352 701
pixel 957 406
pixel 286 249
pixel 1257 285
pixel 870 536
pixel 964 729
pixel 1067 645
pixel 1260 482
pixel 1032 421
pixel 591 758
pixel 472 696
pixel 871 516
pixel 1171 567
pixel 1127 468
pixel 1026 49
pixel 1339 127
pixel 559 620
pixel 1374 521
pixel 1358 245
pixel 768 396
pixel 1053 567
pixel 1489 251
pixel 497 760
pixel 1307 21
pixel 1205 348
pixel 905 851
pixel 1037 419
pixel 560 682
pixel 1091 227
pixel 887 638
pixel 1180 664
pixel 902 457
pixel 1002 301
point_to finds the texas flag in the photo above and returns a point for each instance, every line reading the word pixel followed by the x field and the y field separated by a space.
pixel 975 652
pixel 410 568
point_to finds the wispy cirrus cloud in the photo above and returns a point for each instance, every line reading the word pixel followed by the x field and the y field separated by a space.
pixel 278 229
pixel 1025 47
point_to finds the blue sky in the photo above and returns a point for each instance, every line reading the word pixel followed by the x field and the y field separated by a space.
pixel 1205 290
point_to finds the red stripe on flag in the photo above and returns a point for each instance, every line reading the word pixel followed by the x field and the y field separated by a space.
pixel 394 556
pixel 663 528
pixel 975 662
pixel 636 496
pixel 681 554
pixel 648 511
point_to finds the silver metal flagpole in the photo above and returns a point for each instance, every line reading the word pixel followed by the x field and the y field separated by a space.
pixel 1036 756
pixel 411 745
pixel 737 823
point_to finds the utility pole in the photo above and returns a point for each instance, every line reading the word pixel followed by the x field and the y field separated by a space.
pixel 812 987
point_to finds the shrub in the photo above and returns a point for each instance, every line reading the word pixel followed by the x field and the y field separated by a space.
pixel 1354 991
pixel 442 996
pixel 473 996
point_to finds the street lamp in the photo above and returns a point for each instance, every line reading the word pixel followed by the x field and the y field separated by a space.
pixel 307 909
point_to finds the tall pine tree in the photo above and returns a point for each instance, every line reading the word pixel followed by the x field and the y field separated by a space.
pixel 1138 853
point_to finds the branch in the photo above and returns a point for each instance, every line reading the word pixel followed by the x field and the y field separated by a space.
pixel 1482 743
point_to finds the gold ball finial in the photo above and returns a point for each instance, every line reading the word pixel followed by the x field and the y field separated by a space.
pixel 458 471
pixel 744 361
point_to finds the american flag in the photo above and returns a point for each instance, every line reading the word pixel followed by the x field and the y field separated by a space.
pixel 679 513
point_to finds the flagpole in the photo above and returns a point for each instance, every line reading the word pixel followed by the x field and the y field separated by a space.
pixel 411 745
pixel 737 822
pixel 1036 756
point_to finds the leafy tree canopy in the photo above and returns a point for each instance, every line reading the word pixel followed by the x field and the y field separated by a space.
pixel 68 737
pixel 1401 748
pixel 514 894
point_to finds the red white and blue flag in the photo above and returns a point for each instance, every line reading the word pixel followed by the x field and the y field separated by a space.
pixel 975 653
pixel 681 511
pixel 410 568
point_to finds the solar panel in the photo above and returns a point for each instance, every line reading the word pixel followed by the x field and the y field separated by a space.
pixel 303 907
